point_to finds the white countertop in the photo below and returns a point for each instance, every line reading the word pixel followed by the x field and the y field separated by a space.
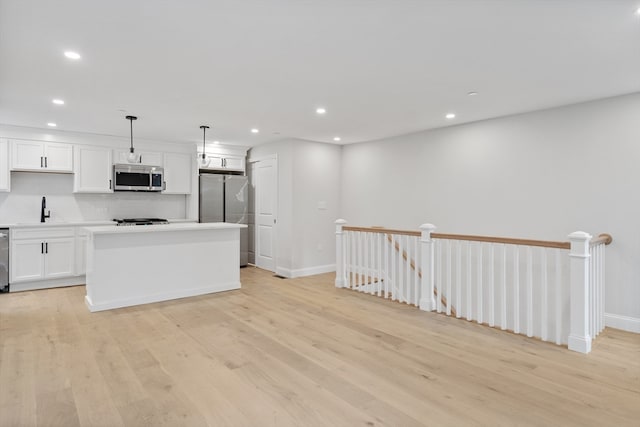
pixel 78 223
pixel 158 228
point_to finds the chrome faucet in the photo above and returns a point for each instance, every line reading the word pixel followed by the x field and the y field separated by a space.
pixel 42 214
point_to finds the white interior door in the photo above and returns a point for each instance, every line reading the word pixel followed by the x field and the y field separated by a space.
pixel 266 199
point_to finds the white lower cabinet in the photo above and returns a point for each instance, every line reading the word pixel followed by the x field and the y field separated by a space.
pixel 27 260
pixel 42 253
pixel 59 257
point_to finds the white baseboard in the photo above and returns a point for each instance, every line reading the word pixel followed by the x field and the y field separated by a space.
pixel 164 296
pixel 302 272
pixel 626 323
pixel 46 284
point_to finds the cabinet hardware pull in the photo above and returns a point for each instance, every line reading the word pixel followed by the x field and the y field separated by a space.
pixel 46 248
pixel 45 162
pixel 140 158
pixel 41 247
pixel 109 184
pixel 41 162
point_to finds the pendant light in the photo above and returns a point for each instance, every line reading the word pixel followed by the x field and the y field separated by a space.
pixel 132 157
pixel 204 160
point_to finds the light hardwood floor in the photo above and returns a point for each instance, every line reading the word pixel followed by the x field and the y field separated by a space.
pixel 295 352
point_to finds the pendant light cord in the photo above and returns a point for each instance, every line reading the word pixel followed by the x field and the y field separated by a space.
pixel 204 139
pixel 204 132
pixel 131 135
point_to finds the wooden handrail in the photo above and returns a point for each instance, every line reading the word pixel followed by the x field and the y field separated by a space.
pixel 504 240
pixel 602 238
pixel 382 230
pixel 488 239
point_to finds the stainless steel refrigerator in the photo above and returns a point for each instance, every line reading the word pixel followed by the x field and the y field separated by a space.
pixel 223 198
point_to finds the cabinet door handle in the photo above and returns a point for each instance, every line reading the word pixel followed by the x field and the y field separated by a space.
pixel 46 248
pixel 41 162
pixel 45 162
pixel 109 184
pixel 140 158
pixel 41 247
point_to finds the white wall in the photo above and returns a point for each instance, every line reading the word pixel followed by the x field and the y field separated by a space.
pixel 540 175
pixel 308 177
pixel 316 202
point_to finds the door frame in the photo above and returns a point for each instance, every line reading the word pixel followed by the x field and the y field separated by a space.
pixel 252 163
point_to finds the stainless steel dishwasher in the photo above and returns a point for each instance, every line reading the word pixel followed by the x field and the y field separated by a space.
pixel 4 259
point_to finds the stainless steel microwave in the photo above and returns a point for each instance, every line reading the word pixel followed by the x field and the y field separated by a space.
pixel 138 178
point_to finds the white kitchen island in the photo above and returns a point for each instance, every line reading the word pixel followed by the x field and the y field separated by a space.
pixel 149 263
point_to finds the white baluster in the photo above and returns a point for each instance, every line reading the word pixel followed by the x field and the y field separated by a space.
pixel 439 286
pixel 458 278
pixel 416 277
pixel 491 286
pixel 504 289
pixel 394 272
pixel 468 255
pixel 365 263
pixel 529 292
pixel 407 265
pixel 360 280
pixel 340 267
pixel 516 289
pixel 400 285
pixel 544 298
pixel 379 252
pixel 602 284
pixel 386 266
pixel 449 274
pixel 427 302
pixel 558 304
pixel 479 268
pixel 592 283
pixel 579 338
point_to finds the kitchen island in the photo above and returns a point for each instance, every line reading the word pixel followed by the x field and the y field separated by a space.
pixel 143 264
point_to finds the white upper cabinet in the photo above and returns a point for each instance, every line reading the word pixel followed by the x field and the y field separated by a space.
pixel 41 156
pixel 225 162
pixel 177 173
pixel 5 175
pixel 149 158
pixel 93 170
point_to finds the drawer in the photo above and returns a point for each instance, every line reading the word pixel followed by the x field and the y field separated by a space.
pixel 42 232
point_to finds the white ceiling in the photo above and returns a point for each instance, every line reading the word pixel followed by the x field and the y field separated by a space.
pixel 379 67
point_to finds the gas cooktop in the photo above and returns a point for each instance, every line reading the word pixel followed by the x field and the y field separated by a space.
pixel 140 221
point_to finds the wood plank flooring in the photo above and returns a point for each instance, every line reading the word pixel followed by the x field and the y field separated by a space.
pixel 295 353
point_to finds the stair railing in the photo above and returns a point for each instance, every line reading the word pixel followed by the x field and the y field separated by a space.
pixel 547 289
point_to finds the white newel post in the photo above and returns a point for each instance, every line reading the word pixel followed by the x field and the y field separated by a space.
pixel 340 267
pixel 579 338
pixel 427 301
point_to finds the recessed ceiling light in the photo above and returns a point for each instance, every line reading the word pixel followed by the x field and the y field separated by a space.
pixel 52 124
pixel 72 55
pixel 638 11
pixel 216 142
pixel 336 139
pixel 321 110
pixel 472 93
pixel 58 101
pixel 254 130
pixel 450 116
